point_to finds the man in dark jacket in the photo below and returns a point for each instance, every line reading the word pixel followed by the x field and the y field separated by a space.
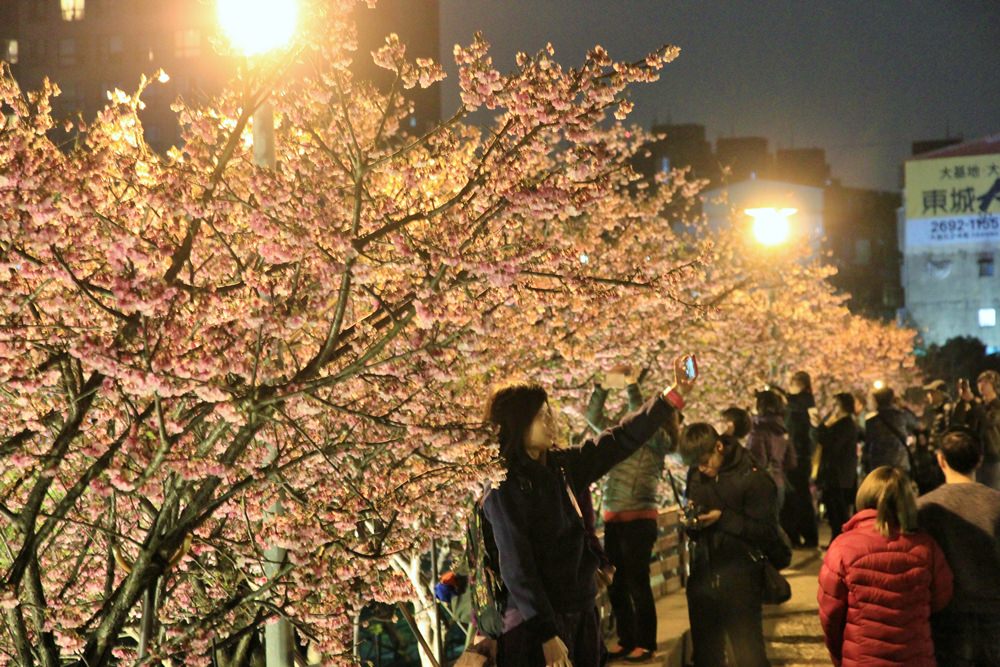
pixel 885 435
pixel 837 477
pixel 983 418
pixel 737 504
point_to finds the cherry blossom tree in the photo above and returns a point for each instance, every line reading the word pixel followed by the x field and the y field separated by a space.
pixel 190 341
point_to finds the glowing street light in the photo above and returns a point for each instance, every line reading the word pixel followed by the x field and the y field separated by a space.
pixel 254 27
pixel 878 384
pixel 770 225
pixel 257 27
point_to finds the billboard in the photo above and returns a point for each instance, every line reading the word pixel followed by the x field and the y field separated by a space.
pixel 954 200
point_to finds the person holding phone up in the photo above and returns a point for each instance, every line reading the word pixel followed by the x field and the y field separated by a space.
pixel 545 563
pixel 631 505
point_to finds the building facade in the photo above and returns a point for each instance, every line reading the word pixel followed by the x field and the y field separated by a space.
pixel 89 47
pixel 861 239
pixel 949 235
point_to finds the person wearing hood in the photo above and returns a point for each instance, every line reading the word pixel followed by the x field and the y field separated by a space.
pixel 768 441
pixel 736 500
pixel 798 516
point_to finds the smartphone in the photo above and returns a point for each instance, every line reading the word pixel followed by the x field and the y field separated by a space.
pixel 690 367
pixel 614 380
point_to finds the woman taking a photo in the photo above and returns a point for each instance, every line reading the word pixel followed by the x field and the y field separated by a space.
pixel 545 563
pixel 881 580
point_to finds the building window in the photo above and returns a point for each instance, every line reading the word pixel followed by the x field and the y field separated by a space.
pixel 986 266
pixel 67 51
pixel 862 251
pixel 116 47
pixel 187 43
pixel 987 317
pixel 8 51
pixel 72 10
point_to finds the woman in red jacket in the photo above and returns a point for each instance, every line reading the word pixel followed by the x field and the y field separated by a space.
pixel 881 580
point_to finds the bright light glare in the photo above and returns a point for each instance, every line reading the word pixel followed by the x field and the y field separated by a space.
pixel 770 225
pixel 258 26
pixel 878 384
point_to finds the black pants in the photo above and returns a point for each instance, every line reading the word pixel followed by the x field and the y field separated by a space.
pixel 578 630
pixel 838 508
pixel 798 516
pixel 629 545
pixel 724 602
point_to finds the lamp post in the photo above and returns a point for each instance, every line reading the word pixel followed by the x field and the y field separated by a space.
pixel 771 228
pixel 255 28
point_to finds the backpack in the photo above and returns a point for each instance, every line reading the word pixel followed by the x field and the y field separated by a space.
pixel 487 596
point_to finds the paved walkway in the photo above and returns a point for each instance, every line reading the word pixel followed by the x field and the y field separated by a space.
pixel 791 630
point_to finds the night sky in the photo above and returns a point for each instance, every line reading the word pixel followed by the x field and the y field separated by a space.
pixel 862 79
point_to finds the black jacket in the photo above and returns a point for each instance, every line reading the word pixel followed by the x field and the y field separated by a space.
pixel 838 460
pixel 885 441
pixel 545 562
pixel 797 423
pixel 748 499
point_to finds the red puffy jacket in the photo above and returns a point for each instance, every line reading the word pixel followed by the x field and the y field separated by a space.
pixel 876 595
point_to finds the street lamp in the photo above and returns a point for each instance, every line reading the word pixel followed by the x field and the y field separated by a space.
pixel 770 225
pixel 255 28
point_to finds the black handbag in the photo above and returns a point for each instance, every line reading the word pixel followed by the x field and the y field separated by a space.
pixel 775 588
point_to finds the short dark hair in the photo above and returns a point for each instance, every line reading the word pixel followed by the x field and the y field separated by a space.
pixel 513 408
pixel 846 402
pixel 884 398
pixel 740 420
pixel 697 442
pixel 769 403
pixel 992 377
pixel 962 450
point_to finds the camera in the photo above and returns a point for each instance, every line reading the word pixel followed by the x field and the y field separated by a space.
pixel 689 515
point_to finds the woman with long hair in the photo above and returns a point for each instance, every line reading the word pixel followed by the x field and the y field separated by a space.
pixel 545 563
pixel 882 579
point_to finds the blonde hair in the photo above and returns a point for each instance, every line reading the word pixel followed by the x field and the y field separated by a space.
pixel 888 491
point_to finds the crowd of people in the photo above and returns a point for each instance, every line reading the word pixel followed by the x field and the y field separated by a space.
pixel 911 575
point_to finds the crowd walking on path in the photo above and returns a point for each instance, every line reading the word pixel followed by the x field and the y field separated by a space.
pixel 911 575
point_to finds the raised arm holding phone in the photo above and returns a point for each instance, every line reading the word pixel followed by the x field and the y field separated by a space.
pixel 548 571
